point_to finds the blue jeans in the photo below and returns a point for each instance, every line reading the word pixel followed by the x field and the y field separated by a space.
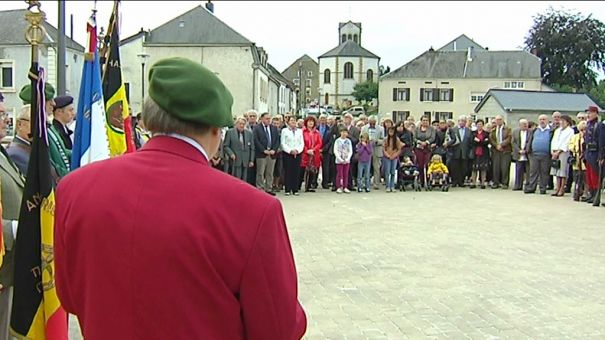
pixel 390 169
pixel 363 172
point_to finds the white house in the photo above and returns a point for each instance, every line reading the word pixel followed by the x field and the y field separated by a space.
pixel 200 36
pixel 344 66
pixel 15 60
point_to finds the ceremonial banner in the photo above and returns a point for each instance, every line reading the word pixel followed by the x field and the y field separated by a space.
pixel 90 143
pixel 119 125
pixel 36 311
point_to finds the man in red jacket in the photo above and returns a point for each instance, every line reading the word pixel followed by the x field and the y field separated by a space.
pixel 149 246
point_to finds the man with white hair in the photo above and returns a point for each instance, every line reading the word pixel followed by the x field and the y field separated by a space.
pixel 238 147
pixel 376 135
pixel 20 148
pixel 460 146
pixel 539 156
pixel 520 154
pixel 555 120
pixel 500 138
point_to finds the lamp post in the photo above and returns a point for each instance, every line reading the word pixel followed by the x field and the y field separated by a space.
pixel 143 57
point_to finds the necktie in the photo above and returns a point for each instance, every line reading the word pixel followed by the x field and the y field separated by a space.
pixel 268 137
pixel 462 134
pixel 241 137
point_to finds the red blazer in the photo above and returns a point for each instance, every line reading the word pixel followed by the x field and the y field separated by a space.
pixel 312 141
pixel 159 245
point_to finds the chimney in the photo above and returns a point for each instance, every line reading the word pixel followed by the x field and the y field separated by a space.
pixel 454 45
pixel 469 54
pixel 71 27
pixel 210 6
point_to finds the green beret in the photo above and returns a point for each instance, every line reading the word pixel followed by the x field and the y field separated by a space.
pixel 26 93
pixel 190 92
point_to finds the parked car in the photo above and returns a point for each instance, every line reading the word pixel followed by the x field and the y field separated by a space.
pixel 357 110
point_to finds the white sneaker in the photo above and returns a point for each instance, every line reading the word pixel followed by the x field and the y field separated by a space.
pixel 339 191
pixel 347 191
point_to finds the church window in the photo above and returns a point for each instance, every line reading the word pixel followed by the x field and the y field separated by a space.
pixel 370 75
pixel 327 76
pixel 344 38
pixel 349 37
pixel 348 70
pixel 355 38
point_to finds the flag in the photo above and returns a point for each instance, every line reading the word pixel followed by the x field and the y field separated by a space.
pixel 36 311
pixel 90 142
pixel 119 125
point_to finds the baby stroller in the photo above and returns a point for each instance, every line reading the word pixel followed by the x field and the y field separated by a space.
pixel 409 176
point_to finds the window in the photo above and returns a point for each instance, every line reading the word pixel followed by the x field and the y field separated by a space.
pixel 370 75
pixel 344 38
pixel 401 95
pixel 428 114
pixel 10 127
pixel 514 84
pixel 327 76
pixel 355 38
pixel 426 95
pixel 400 116
pixel 349 37
pixel 443 115
pixel 296 81
pixel 310 74
pixel 446 95
pixel 326 99
pixel 477 97
pixel 308 91
pixel 6 75
pixel 308 82
pixel 348 70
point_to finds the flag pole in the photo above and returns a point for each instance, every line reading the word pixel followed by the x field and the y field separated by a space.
pixel 34 35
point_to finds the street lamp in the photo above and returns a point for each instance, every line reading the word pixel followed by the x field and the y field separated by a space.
pixel 143 57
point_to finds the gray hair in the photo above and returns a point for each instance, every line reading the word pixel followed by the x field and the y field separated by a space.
pixel 157 120
pixel 372 118
pixel 25 112
pixel 323 115
pixel 254 112
pixel 242 119
pixel 523 121
pixel 348 115
pixel 463 117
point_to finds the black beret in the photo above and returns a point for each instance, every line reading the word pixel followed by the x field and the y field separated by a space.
pixel 63 101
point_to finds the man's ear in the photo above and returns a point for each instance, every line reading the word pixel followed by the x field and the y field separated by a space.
pixel 215 131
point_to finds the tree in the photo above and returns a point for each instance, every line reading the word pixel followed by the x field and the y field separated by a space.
pixel 570 45
pixel 366 91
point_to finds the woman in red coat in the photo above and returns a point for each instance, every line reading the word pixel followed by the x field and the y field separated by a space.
pixel 311 157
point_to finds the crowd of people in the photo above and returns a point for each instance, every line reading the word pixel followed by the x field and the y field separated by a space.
pixel 283 153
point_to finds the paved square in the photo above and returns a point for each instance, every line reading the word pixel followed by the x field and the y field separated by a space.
pixel 467 264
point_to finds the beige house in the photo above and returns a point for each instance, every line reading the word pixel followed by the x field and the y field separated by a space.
pixel 15 60
pixel 201 36
pixel 516 104
pixel 345 66
pixel 452 80
pixel 304 73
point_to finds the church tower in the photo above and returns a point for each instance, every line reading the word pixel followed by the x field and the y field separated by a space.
pixel 349 31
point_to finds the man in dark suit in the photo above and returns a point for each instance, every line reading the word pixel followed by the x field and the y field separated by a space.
pixel 460 147
pixel 500 138
pixel 20 147
pixel 520 154
pixel 326 163
pixel 239 149
pixel 266 144
pixel 354 133
pixel 226 259
pixel 64 114
pixel 12 185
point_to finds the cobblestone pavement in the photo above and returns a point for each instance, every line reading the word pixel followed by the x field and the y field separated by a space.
pixel 467 264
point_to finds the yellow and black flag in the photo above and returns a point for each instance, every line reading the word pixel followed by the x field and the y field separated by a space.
pixel 119 125
pixel 36 311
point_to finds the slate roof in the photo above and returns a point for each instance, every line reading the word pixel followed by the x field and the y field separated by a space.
pixel 484 64
pixel 341 24
pixel 462 43
pixel 520 100
pixel 13 26
pixel 274 72
pixel 304 57
pixel 196 27
pixel 349 48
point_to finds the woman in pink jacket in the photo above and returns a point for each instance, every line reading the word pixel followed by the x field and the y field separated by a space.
pixel 311 156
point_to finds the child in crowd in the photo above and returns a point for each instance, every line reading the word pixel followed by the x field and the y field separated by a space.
pixel 343 150
pixel 408 168
pixel 437 171
pixel 364 156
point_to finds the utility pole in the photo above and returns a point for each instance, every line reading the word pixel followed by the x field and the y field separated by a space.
pixel 61 52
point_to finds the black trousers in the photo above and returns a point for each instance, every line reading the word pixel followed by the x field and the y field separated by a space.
pixel 458 171
pixel 291 172
pixel 521 174
pixel 326 175
pixel 352 173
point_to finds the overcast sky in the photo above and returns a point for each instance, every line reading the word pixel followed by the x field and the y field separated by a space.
pixel 395 31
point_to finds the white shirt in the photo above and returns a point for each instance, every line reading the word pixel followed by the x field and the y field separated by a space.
pixel 292 140
pixel 187 140
pixel 523 135
pixel 561 138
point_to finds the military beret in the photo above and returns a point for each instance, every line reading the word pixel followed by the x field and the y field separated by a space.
pixel 63 101
pixel 26 93
pixel 190 92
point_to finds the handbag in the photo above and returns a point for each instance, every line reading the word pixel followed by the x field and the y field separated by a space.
pixel 555 163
